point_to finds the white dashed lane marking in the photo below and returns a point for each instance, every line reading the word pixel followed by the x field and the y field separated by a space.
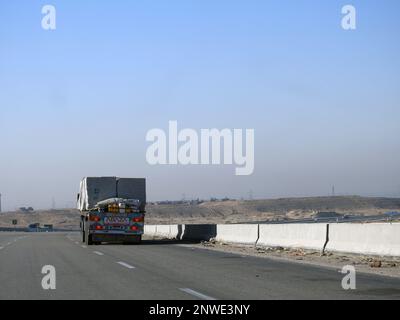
pixel 197 294
pixel 124 264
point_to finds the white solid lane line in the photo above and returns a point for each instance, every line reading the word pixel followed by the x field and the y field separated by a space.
pixel 84 247
pixel 98 253
pixel 125 265
pixel 197 294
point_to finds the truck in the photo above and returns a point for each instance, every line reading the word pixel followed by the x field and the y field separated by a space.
pixel 112 209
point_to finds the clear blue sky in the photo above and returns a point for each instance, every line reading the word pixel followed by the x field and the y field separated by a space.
pixel 78 101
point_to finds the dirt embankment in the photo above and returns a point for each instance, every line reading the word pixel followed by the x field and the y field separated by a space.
pixel 223 211
pixel 63 219
pixel 262 210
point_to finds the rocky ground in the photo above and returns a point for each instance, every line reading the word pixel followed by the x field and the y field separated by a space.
pixel 367 264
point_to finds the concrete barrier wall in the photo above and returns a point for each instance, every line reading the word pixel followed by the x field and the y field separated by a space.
pixel 237 233
pixel 370 239
pixel 374 239
pixel 306 236
pixel 163 231
pixel 199 232
pixel 182 232
pixel 150 231
pixel 173 231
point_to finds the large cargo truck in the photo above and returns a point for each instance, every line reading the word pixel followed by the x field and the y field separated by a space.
pixel 112 209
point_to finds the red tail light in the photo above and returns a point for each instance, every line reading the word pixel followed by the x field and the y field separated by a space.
pixel 135 228
pixel 98 227
pixel 139 219
pixel 94 218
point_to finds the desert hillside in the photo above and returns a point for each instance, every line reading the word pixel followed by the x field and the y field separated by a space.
pixel 63 219
pixel 223 211
pixel 260 210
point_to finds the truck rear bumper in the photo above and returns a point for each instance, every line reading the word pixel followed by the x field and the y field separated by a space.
pixel 116 237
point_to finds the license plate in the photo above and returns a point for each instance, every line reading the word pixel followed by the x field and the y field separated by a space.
pixel 116 221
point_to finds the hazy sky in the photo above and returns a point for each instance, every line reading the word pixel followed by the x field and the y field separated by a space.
pixel 78 101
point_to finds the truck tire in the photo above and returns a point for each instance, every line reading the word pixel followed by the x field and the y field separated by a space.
pixel 83 232
pixel 88 236
pixel 89 240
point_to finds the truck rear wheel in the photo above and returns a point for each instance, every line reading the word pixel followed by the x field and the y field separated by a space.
pixel 88 238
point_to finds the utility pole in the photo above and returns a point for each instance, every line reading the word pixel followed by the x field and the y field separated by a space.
pixel 333 191
pixel 0 202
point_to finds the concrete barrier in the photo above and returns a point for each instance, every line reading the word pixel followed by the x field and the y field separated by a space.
pixel 370 239
pixel 163 231
pixel 198 232
pixel 182 232
pixel 150 231
pixel 381 239
pixel 237 233
pixel 174 231
pixel 306 236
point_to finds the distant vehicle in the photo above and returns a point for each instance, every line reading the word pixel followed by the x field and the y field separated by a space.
pixel 48 228
pixel 392 213
pixel 327 215
pixel 112 209
pixel 34 227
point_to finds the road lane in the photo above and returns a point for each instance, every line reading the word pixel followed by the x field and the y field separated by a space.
pixel 8 238
pixel 166 270
pixel 80 274
pixel 228 276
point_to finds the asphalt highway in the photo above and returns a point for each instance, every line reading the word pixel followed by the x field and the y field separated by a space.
pixel 165 270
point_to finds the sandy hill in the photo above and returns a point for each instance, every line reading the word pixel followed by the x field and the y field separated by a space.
pixel 256 210
pixel 224 211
